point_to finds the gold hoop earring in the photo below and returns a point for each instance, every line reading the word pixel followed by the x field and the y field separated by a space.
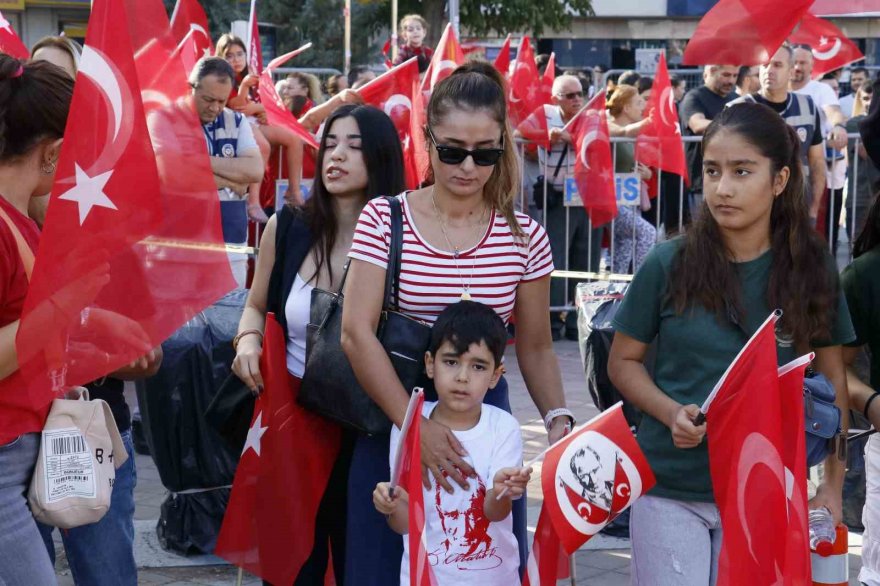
pixel 48 168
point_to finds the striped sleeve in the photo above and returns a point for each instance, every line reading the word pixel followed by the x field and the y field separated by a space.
pixel 539 262
pixel 372 235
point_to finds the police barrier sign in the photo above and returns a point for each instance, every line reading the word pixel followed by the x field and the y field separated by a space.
pixel 627 186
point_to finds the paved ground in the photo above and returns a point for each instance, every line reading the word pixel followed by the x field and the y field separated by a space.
pixel 602 562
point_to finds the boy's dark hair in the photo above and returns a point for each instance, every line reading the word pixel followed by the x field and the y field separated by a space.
pixel 468 322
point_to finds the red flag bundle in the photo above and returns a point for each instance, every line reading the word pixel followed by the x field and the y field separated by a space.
pixel 743 32
pixel 797 568
pixel 407 472
pixel 394 92
pixel 255 50
pixel 121 263
pixel 276 111
pixel 593 167
pixel 591 476
pixel 746 447
pixel 659 144
pixel 547 80
pixel 269 525
pixel 502 61
pixel 831 49
pixel 547 561
pixel 189 17
pixel 524 94
pixel 10 42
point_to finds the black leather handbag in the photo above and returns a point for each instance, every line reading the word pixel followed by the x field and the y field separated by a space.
pixel 553 196
pixel 329 386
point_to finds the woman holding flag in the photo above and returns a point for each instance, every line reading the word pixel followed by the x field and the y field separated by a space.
pixel 34 102
pixel 462 240
pixel 699 298
pixel 302 248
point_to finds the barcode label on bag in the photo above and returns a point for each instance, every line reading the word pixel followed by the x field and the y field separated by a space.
pixel 68 465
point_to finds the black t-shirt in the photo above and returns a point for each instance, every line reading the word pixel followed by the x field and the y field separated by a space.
pixel 780 107
pixel 111 390
pixel 703 101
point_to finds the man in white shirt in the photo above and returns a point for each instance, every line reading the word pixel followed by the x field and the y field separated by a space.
pixel 833 118
pixel 857 77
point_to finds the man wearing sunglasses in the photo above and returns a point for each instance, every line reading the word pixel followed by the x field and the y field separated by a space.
pixel 578 248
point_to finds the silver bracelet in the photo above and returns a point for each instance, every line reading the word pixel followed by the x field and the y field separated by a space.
pixel 554 413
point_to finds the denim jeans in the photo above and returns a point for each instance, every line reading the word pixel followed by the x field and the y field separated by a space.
pixel 102 553
pixel 674 543
pixel 23 559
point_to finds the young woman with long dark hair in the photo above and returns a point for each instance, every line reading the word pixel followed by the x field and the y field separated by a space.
pixel 462 240
pixel 700 297
pixel 861 283
pixel 359 158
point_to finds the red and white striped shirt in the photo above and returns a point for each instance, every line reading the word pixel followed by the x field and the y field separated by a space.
pixel 429 279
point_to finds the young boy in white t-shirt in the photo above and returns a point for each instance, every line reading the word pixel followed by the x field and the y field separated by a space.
pixel 469 533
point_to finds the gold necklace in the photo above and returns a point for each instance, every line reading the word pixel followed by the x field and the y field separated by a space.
pixel 466 289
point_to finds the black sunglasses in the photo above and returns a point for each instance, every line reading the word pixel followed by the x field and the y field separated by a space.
pixel 571 95
pixel 456 155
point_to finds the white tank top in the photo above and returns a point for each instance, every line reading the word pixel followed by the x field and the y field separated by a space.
pixel 296 311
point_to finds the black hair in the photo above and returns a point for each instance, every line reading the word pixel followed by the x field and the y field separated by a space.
pixel 859 69
pixel 468 322
pixel 355 72
pixel 675 80
pixel 869 237
pixel 629 78
pixel 383 158
pixel 211 66
pixel 644 84
pixel 34 102
pixel 742 75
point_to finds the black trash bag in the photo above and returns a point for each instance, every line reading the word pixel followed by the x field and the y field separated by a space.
pixel 190 523
pixel 189 453
pixel 597 305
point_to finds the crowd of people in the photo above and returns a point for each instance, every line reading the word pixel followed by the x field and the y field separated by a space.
pixel 756 231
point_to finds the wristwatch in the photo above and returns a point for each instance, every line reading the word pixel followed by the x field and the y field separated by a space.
pixel 560 412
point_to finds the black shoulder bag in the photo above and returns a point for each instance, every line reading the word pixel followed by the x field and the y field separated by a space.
pixel 553 195
pixel 329 386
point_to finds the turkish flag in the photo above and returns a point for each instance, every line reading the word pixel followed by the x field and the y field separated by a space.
pixel 525 92
pixel 746 447
pixel 277 113
pixel 659 144
pixel 10 42
pixel 121 265
pixel 269 525
pixel 547 561
pixel 407 471
pixel 831 49
pixel 743 32
pixel 189 17
pixel 846 7
pixel 502 61
pixel 797 570
pixel 394 92
pixel 255 49
pixel 534 127
pixel 591 476
pixel 593 167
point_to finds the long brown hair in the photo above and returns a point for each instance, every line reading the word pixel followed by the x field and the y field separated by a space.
pixel 801 280
pixel 477 85
pixel 224 43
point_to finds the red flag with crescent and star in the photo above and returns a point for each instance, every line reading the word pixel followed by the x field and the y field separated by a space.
pixel 10 42
pixel 289 453
pixel 189 17
pixel 394 92
pixel 277 113
pixel 547 80
pixel 743 32
pixel 831 48
pixel 744 426
pixel 594 167
pixel 797 569
pixel 591 476
pixel 502 61
pixel 659 144
pixel 121 264
pixel 524 93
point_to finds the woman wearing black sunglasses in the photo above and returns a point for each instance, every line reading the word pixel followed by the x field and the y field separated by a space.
pixel 462 240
